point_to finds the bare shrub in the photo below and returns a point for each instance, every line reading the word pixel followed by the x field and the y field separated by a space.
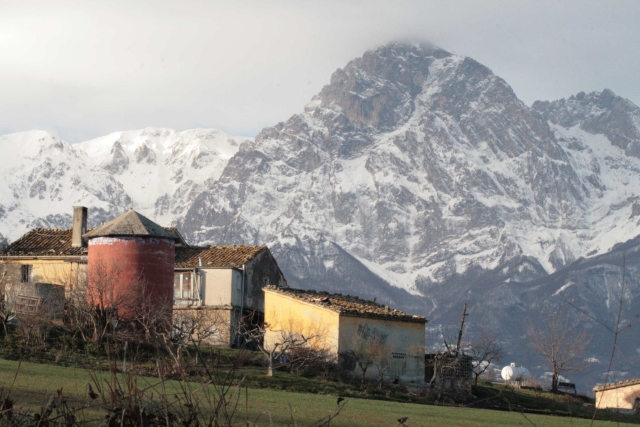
pixel 562 343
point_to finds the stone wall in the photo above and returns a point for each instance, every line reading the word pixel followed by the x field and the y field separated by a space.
pixel 621 397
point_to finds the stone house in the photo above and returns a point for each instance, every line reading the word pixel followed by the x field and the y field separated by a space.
pixel 345 326
pixel 622 396
pixel 53 255
pixel 221 285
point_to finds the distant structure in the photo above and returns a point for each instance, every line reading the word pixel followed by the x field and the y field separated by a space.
pixel 621 397
pixel 131 262
pixel 449 372
pixel 514 373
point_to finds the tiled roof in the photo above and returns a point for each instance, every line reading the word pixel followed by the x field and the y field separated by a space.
pixel 179 239
pixel 347 305
pixel 52 242
pixel 131 223
pixel 45 242
pixel 626 383
pixel 216 256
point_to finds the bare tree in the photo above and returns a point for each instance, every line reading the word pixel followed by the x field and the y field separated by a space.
pixel 360 351
pixel 380 354
pixel 276 347
pixel 7 309
pixel 370 349
pixel 201 324
pixel 561 343
pixel 484 350
pixel 95 307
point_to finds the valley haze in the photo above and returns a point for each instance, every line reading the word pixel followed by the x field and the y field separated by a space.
pixel 415 176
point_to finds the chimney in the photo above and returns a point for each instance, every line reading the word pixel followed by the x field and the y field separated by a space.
pixel 79 225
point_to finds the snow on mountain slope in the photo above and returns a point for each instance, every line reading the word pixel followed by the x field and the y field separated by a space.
pixel 610 218
pixel 156 171
pixel 602 113
pixel 162 170
pixel 43 177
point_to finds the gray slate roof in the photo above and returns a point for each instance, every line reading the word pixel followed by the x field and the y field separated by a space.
pixel 131 224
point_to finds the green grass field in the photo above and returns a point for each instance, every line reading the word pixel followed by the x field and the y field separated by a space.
pixel 32 384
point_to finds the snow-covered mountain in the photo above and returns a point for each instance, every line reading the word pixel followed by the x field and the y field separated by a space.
pixel 156 171
pixel 163 170
pixel 43 177
pixel 422 165
pixel 415 176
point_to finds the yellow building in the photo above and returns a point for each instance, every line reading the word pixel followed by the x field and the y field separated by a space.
pixel 54 256
pixel 391 342
pixel 623 396
pixel 51 255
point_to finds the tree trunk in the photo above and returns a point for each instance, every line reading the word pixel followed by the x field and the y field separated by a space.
pixel 270 369
pixel 434 377
pixel 554 381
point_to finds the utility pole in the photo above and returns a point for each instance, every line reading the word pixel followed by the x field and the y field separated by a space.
pixel 464 314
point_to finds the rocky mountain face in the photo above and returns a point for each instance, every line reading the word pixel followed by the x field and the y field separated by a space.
pixel 163 170
pixel 415 176
pixel 418 177
pixel 601 113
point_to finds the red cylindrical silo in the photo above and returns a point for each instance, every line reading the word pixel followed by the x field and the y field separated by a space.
pixel 131 274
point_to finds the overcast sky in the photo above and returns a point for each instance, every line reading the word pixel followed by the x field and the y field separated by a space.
pixel 83 69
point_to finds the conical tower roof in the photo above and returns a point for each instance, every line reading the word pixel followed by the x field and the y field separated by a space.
pixel 130 224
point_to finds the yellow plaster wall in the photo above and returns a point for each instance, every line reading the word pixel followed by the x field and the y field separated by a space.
pixel 618 398
pixel 403 338
pixel 54 271
pixel 284 313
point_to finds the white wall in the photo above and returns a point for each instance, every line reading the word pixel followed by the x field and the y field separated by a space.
pixel 217 286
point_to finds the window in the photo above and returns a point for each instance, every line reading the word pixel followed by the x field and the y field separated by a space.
pixel 26 273
pixel 26 304
pixel 186 286
pixel 396 355
pixel 176 285
pixel 183 289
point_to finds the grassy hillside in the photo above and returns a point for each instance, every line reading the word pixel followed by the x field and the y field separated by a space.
pixel 31 385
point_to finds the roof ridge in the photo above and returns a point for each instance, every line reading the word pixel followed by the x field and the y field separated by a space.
pixel 349 305
pixel 131 223
pixel 617 384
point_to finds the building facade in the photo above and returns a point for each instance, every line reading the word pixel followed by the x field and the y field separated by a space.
pixel 349 328
pixel 53 256
pixel 221 285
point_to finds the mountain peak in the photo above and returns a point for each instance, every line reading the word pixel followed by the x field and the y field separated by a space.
pixel 377 88
pixel 603 113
